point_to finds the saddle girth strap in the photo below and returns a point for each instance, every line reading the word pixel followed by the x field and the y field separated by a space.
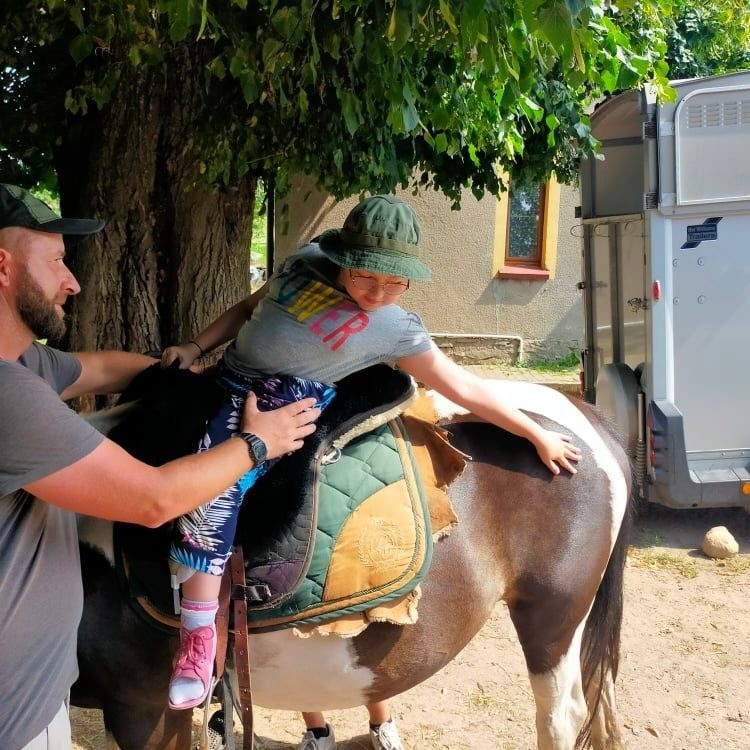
pixel 222 623
pixel 242 646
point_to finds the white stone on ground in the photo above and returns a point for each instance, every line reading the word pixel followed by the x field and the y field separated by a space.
pixel 719 543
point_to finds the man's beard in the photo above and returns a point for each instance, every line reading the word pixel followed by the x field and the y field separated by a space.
pixel 36 311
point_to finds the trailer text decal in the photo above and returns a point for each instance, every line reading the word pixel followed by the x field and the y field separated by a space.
pixel 697 233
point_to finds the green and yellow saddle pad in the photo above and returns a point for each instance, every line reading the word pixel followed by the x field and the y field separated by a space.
pixel 372 542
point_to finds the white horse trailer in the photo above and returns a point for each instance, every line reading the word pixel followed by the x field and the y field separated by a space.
pixel 666 218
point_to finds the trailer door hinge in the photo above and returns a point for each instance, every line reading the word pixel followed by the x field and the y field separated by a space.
pixel 666 129
pixel 580 286
pixel 649 129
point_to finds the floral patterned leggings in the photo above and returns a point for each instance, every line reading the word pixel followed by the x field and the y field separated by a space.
pixel 204 537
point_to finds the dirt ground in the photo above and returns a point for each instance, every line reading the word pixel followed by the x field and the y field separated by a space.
pixel 685 672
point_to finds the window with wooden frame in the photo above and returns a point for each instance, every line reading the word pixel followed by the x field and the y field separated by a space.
pixel 526 226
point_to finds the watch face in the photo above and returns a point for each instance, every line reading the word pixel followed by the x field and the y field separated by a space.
pixel 260 450
pixel 257 447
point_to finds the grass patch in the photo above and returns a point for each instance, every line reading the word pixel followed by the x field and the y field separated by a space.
pixel 485 702
pixel 658 560
pixel 651 538
pixel 733 565
pixel 430 734
pixel 567 363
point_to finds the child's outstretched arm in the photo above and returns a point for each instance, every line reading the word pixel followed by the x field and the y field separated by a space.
pixel 440 373
pixel 223 329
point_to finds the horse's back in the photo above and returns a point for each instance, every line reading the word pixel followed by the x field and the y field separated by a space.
pixel 542 522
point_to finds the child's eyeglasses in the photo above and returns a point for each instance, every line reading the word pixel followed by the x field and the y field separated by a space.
pixel 368 284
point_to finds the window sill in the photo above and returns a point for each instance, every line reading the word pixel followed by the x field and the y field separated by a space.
pixel 523 273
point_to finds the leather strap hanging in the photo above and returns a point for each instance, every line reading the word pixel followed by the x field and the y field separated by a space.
pixel 241 647
pixel 222 623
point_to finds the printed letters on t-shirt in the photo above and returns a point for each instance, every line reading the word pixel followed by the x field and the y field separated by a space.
pixel 323 310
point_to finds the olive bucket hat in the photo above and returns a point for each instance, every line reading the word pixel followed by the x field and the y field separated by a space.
pixel 19 208
pixel 380 234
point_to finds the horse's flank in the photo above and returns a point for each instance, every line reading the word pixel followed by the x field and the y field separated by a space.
pixel 551 548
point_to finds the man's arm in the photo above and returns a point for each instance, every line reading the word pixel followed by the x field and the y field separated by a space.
pixel 109 483
pixel 106 372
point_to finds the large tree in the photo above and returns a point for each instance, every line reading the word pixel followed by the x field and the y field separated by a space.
pixel 160 116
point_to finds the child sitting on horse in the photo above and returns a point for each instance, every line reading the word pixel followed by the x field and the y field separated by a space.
pixel 329 311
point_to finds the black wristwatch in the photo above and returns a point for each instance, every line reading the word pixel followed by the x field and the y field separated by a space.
pixel 255 446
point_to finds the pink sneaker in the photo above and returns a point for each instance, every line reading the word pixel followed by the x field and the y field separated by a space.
pixel 195 661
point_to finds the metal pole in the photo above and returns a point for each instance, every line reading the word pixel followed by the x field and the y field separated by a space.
pixel 270 226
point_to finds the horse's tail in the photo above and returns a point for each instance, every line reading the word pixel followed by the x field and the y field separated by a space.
pixel 600 648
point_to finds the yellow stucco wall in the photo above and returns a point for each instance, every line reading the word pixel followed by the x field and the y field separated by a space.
pixel 464 297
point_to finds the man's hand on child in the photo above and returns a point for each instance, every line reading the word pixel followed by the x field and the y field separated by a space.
pixel 282 429
pixel 556 450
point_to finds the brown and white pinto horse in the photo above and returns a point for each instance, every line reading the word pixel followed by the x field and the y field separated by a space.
pixel 553 548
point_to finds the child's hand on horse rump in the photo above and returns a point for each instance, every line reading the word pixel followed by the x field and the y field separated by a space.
pixel 555 448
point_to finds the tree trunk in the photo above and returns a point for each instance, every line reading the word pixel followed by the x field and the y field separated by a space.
pixel 175 251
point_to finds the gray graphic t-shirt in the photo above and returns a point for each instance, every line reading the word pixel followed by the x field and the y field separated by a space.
pixel 40 576
pixel 308 326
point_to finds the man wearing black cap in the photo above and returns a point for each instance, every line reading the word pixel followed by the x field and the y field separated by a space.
pixel 54 464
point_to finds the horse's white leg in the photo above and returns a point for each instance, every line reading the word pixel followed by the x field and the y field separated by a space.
pixel 560 703
pixel 605 730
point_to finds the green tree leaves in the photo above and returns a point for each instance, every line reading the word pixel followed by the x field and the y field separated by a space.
pixel 708 37
pixel 359 94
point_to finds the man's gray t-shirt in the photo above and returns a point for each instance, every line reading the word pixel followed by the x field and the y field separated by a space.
pixel 40 575
pixel 308 326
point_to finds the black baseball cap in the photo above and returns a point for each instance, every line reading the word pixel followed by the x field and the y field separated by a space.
pixel 19 208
